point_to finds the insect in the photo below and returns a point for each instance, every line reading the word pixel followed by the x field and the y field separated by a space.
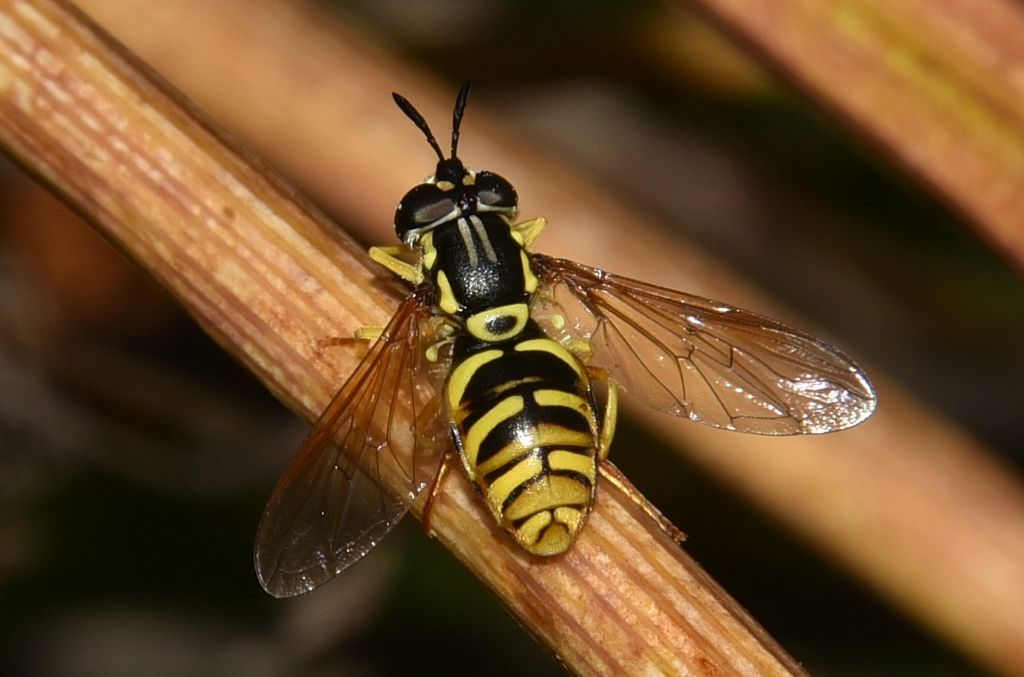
pixel 515 359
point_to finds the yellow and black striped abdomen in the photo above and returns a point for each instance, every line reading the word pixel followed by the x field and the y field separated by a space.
pixel 525 428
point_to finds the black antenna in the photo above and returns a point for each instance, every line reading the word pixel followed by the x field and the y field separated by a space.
pixel 460 107
pixel 418 120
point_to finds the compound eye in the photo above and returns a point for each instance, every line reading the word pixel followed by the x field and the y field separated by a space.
pixel 422 206
pixel 432 211
pixel 494 191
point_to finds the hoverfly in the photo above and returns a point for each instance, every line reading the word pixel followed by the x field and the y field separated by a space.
pixel 500 353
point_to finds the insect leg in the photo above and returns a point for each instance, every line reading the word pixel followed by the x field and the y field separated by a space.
pixel 580 348
pixel 612 474
pixel 611 410
pixel 363 336
pixel 529 230
pixel 387 257
pixel 445 334
pixel 368 334
pixel 615 477
pixel 435 486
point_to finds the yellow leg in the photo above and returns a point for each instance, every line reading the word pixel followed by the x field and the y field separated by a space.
pixel 338 341
pixel 369 334
pixel 439 334
pixel 583 350
pixel 529 230
pixel 611 410
pixel 612 474
pixel 387 257
pixel 363 336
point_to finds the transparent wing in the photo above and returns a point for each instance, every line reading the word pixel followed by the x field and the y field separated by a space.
pixel 330 507
pixel 701 359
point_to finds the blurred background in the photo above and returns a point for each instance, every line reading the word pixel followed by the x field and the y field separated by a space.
pixel 135 455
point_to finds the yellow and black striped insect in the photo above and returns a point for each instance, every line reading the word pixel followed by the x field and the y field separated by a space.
pixel 501 352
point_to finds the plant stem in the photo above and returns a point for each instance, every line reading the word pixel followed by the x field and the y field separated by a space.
pixel 268 276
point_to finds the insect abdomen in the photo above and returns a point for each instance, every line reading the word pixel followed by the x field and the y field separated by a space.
pixel 526 432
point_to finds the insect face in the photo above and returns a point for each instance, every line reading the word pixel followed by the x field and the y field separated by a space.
pixel 452 192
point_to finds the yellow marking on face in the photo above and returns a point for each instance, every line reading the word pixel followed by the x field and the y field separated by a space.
pixel 445 185
pixel 560 459
pixel 521 472
pixel 531 279
pixel 476 325
pixel 469 179
pixel 502 411
pixel 458 379
pixel 549 346
pixel 448 303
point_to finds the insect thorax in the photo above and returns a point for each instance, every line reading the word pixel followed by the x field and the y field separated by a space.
pixel 482 274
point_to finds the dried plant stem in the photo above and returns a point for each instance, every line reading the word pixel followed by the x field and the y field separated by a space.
pixel 268 277
pixel 936 83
